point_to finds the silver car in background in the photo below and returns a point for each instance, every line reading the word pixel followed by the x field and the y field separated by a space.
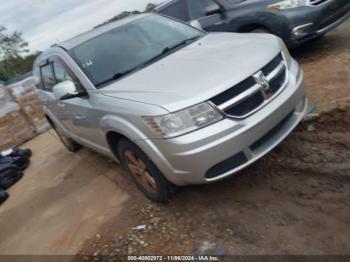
pixel 175 105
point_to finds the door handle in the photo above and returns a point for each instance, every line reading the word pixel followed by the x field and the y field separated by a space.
pixel 60 104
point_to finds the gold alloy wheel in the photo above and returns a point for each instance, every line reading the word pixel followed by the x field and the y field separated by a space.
pixel 140 171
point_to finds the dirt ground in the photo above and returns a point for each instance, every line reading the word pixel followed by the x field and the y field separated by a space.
pixel 293 201
pixel 326 63
pixel 58 203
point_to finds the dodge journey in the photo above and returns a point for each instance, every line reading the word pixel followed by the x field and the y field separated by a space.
pixel 175 105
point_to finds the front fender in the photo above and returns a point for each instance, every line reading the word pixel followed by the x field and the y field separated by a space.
pixel 139 136
pixel 273 22
pixel 118 124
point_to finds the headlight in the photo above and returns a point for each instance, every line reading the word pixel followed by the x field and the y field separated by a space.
pixel 184 121
pixel 287 4
pixel 286 54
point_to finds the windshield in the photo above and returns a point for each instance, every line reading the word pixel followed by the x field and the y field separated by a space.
pixel 124 49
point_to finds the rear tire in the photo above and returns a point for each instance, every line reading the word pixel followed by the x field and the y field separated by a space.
pixel 69 143
pixel 143 171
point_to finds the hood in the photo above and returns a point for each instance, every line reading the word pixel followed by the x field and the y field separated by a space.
pixel 197 72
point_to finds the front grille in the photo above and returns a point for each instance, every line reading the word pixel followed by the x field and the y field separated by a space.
pixel 234 91
pixel 247 105
pixel 272 65
pixel 317 2
pixel 278 80
pixel 247 96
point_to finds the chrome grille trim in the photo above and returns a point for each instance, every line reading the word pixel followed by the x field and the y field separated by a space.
pixel 254 90
pixel 276 71
pixel 242 96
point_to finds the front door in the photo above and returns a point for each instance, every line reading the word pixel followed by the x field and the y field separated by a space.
pixel 80 116
pixel 45 93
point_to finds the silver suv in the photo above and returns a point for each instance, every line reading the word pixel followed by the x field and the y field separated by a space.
pixel 175 105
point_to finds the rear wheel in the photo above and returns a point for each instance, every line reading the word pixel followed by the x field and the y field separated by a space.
pixel 69 143
pixel 143 171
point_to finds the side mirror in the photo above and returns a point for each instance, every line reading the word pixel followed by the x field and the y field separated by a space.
pixel 65 90
pixel 212 9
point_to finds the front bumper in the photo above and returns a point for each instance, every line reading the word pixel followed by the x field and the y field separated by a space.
pixel 190 158
pixel 306 23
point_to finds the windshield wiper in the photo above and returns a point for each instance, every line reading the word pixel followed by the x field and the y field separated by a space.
pixel 181 43
pixel 121 74
pixel 115 77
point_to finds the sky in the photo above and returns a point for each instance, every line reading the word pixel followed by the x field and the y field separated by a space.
pixel 45 22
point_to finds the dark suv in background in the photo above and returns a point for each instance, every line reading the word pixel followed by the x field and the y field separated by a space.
pixel 294 21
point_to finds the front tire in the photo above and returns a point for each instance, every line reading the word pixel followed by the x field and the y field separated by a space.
pixel 143 171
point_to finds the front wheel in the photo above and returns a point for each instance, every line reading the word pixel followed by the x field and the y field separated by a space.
pixel 143 171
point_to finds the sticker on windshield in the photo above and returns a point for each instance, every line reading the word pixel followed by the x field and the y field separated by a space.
pixel 87 64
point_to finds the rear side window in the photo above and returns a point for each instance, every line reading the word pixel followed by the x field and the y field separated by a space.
pixel 47 77
pixel 177 9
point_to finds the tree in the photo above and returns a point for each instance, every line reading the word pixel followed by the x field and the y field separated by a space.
pixel 149 8
pixel 12 47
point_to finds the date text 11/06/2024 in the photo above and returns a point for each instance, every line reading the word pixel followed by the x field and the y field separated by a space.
pixel 174 258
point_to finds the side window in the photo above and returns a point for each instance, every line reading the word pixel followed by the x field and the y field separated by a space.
pixel 197 9
pixel 47 77
pixel 37 78
pixel 63 73
pixel 60 72
pixel 178 10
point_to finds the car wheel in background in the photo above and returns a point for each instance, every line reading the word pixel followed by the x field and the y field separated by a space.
pixel 261 31
pixel 143 171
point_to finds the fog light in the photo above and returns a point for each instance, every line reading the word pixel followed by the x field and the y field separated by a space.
pixel 302 30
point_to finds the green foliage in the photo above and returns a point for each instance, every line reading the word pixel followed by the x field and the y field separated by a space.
pixel 149 8
pixel 12 61
pixel 11 45
pixel 15 66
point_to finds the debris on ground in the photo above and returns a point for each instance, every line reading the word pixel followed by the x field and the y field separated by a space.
pixel 140 227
